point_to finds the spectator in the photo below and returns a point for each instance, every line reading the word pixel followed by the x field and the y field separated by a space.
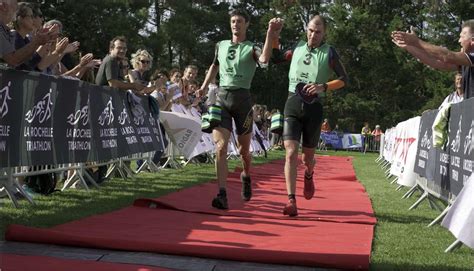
pixel 162 93
pixel 325 127
pixel 176 84
pixel 275 141
pixel 141 62
pixel 377 134
pixel 110 70
pixel 441 58
pixel 176 77
pixel 366 133
pixel 190 73
pixel 366 129
pixel 59 67
pixel 66 62
pixel 193 99
pixel 8 53
pixel 457 95
pixel 37 17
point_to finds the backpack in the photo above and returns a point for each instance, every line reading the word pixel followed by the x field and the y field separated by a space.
pixel 44 184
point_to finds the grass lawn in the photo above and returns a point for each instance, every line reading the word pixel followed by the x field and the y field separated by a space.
pixel 401 242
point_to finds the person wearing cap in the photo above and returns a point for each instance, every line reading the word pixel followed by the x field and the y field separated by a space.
pixel 313 61
pixel 377 133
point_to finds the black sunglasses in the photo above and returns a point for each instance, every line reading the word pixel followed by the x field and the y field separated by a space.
pixel 145 61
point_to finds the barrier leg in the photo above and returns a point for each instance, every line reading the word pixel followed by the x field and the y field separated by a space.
pixel 151 165
pixel 126 170
pixel 116 167
pixel 410 192
pixel 141 167
pixel 12 186
pixel 70 180
pixel 394 180
pixel 433 203
pixel 110 170
pixel 399 187
pixel 455 245
pixel 11 194
pixel 420 200
pixel 82 174
pixel 440 217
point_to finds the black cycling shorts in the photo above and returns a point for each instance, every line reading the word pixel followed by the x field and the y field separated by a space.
pixel 302 119
pixel 236 104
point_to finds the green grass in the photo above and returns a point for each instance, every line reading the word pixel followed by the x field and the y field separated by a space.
pixel 401 242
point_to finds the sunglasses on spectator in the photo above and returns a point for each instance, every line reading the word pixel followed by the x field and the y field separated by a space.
pixel 145 61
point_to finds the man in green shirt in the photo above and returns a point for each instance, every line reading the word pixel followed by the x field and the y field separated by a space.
pixel 235 60
pixel 312 63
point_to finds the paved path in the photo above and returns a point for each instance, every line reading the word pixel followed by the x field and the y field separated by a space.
pixel 152 259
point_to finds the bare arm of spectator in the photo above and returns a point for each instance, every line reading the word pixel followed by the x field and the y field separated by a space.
pixel 426 59
pixel 72 47
pixel 132 76
pixel 79 70
pixel 25 53
pixel 409 38
pixel 94 63
pixel 55 56
pixel 115 83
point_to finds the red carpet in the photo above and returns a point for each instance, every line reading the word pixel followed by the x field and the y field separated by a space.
pixel 9 262
pixel 338 198
pixel 333 230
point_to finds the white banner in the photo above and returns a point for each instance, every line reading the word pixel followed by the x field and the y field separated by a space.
pixel 460 218
pixel 388 144
pixel 406 134
pixel 352 141
pixel 205 143
pixel 184 131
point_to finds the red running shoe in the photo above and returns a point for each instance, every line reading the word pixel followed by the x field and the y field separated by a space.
pixel 290 208
pixel 308 186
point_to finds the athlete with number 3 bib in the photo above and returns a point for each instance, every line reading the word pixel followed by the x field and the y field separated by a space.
pixel 236 61
pixel 312 63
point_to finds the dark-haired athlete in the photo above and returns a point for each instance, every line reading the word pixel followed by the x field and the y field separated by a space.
pixel 236 61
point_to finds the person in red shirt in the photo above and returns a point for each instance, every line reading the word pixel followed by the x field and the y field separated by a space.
pixel 325 127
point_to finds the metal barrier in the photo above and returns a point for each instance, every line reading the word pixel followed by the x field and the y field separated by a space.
pixel 371 143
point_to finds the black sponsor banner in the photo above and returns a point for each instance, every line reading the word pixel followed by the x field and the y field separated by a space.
pixel 11 112
pixel 126 128
pixel 72 124
pixel 460 146
pixel 47 120
pixel 104 120
pixel 441 168
pixel 38 100
pixel 425 136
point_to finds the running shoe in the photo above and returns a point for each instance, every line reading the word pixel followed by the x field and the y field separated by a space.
pixel 308 186
pixel 290 208
pixel 246 187
pixel 220 202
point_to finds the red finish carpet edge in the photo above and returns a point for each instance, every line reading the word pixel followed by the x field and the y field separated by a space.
pixel 333 230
